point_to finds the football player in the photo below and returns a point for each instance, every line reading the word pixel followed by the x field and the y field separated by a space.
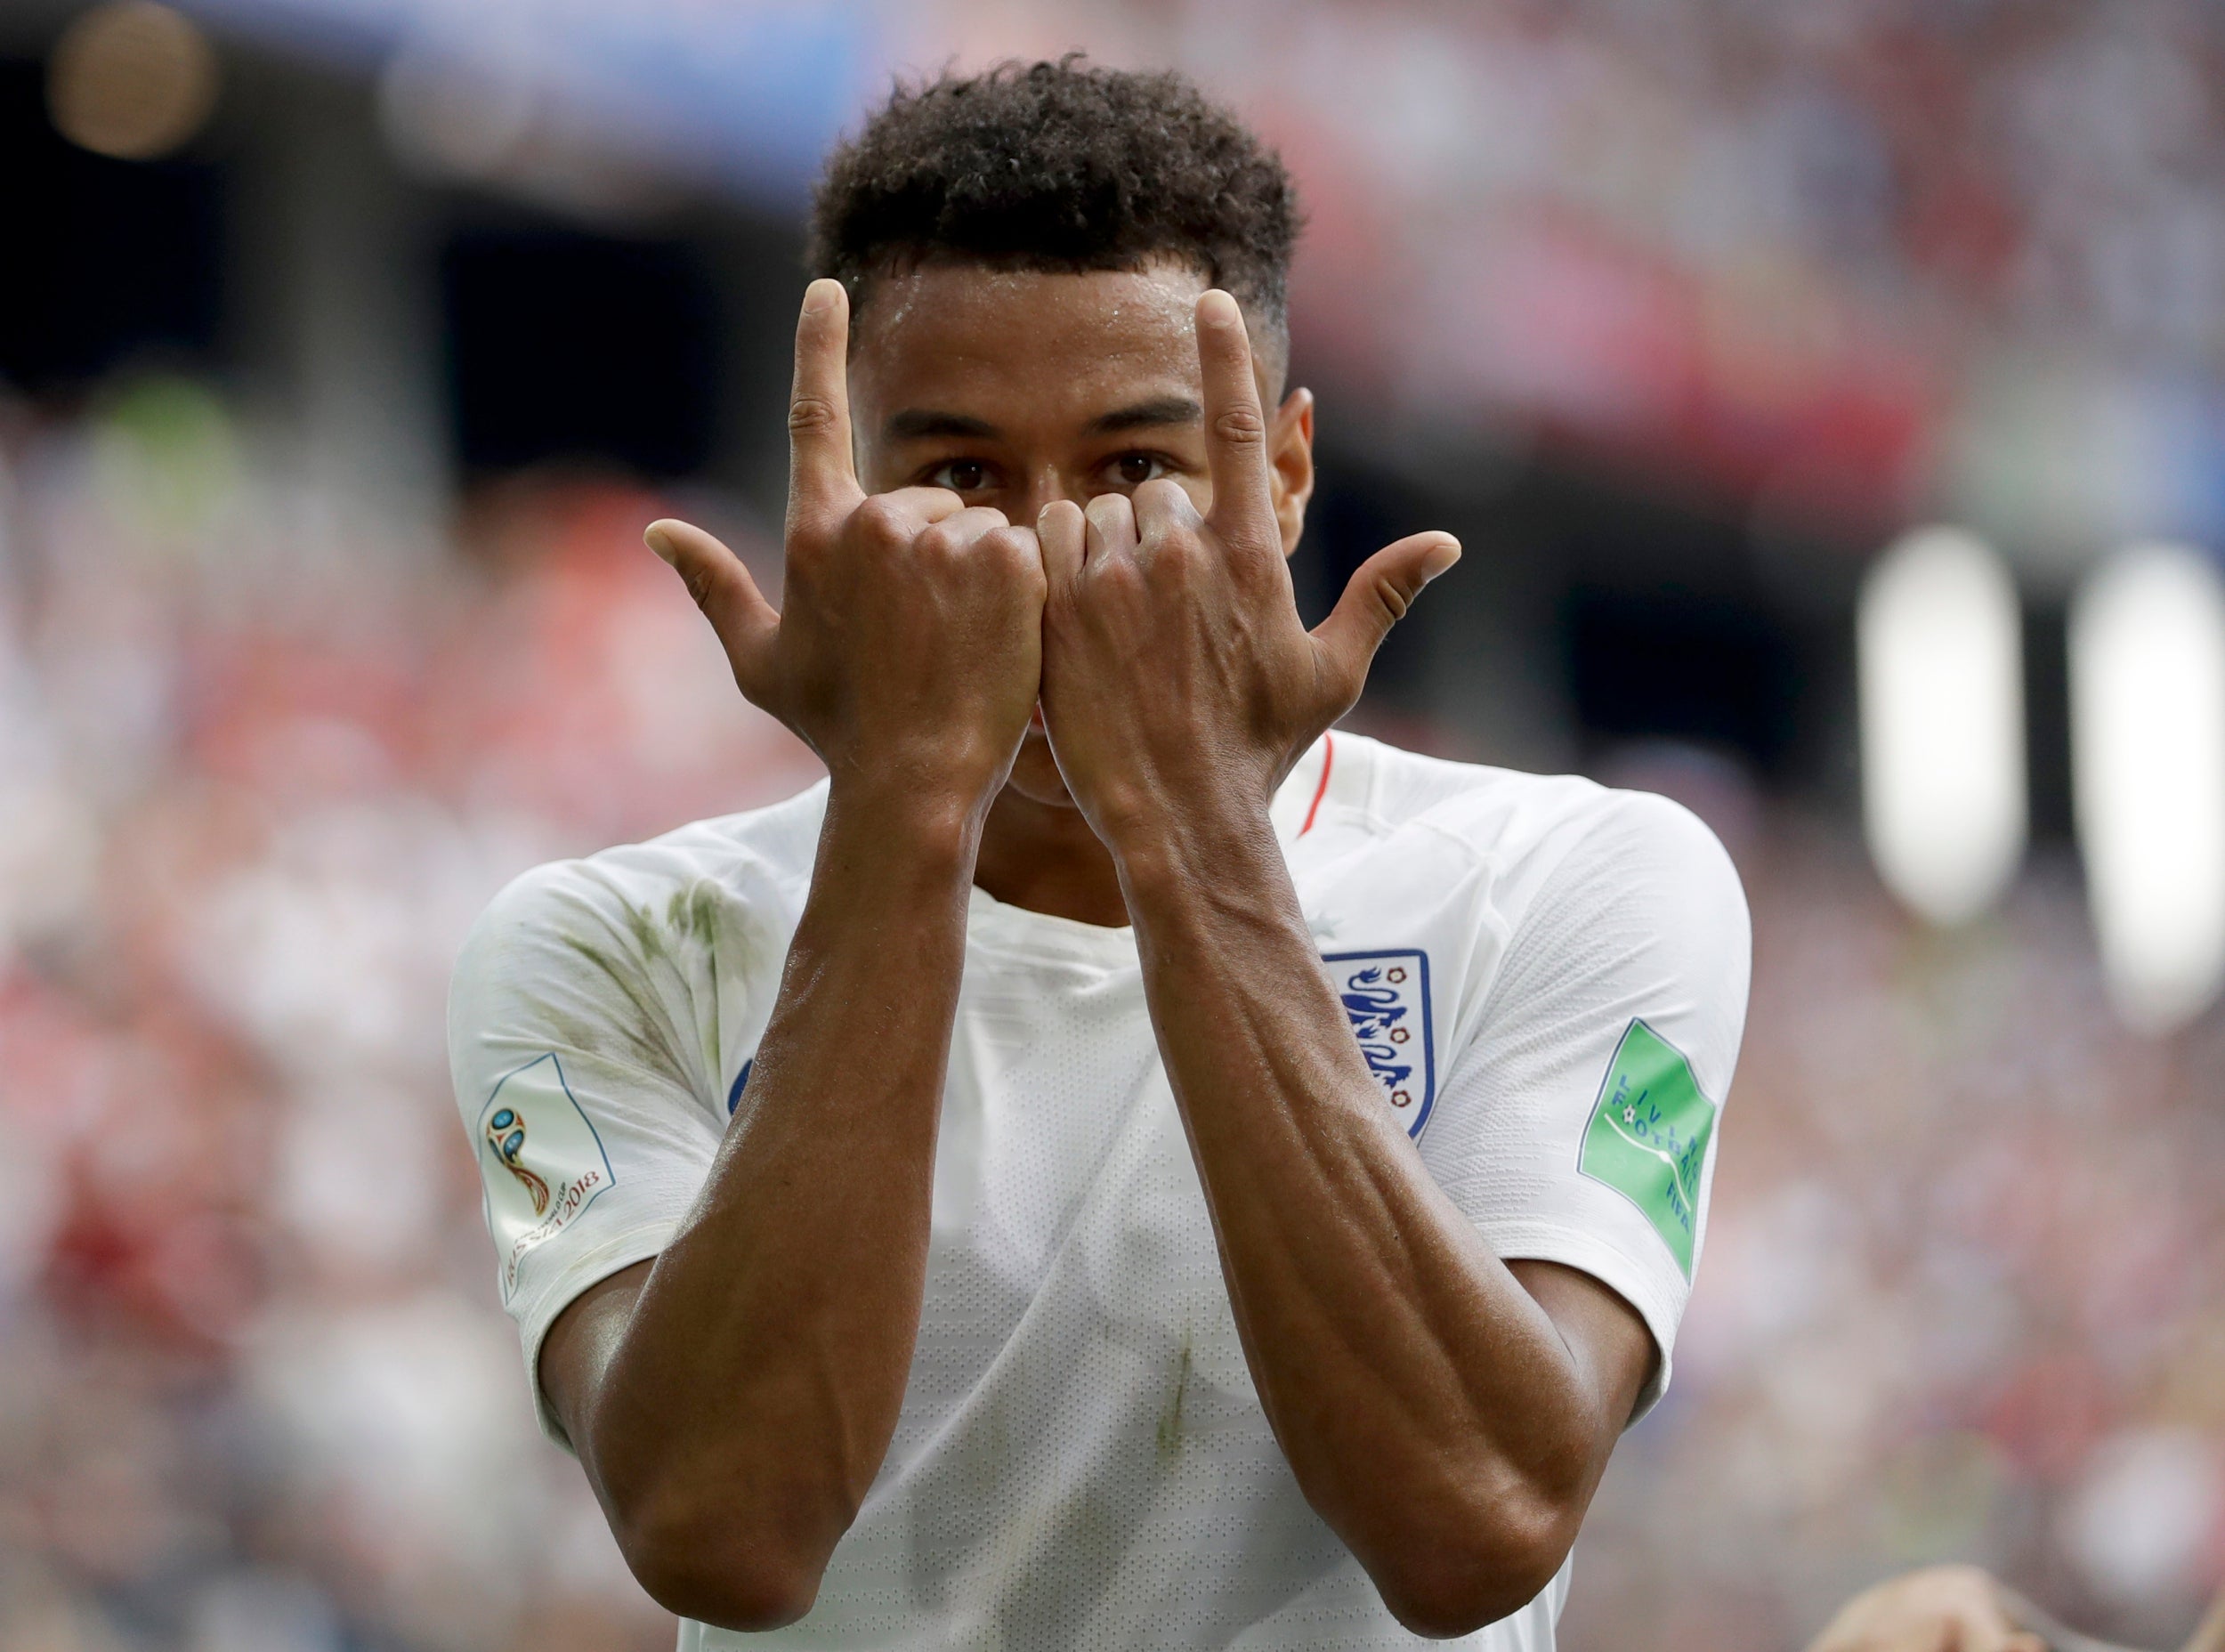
pixel 1117 1163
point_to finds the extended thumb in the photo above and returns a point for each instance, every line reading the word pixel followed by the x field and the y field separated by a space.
pixel 1378 596
pixel 722 587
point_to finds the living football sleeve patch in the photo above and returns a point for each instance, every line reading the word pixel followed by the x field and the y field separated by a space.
pixel 1648 1137
pixel 540 1161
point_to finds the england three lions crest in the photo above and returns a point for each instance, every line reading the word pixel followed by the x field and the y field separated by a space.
pixel 1385 996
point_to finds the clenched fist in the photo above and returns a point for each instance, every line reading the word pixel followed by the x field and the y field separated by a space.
pixel 1176 675
pixel 907 649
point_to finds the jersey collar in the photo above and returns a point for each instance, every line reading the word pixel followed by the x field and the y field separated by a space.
pixel 1304 793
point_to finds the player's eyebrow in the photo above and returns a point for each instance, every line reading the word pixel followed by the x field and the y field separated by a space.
pixel 913 424
pixel 1147 415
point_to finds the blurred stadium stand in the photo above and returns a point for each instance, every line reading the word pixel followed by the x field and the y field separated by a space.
pixel 326 433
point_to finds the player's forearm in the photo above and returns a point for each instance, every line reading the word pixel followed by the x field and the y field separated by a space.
pixel 1428 1405
pixel 758 1380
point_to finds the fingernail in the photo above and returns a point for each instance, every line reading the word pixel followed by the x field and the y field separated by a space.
pixel 1220 308
pixel 821 294
pixel 1447 553
pixel 658 540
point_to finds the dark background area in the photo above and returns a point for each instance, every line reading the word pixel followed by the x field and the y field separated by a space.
pixel 112 260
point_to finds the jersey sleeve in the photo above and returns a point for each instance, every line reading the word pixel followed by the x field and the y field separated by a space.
pixel 1582 1117
pixel 580 1080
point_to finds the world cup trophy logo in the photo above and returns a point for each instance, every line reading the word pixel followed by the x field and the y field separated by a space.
pixel 505 1134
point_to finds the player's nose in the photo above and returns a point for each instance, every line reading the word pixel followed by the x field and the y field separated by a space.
pixel 1041 488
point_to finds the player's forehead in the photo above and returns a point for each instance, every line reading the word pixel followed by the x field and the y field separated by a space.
pixel 1060 348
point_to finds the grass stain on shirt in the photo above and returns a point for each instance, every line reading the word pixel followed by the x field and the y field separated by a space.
pixel 1170 1423
pixel 694 911
pixel 647 1035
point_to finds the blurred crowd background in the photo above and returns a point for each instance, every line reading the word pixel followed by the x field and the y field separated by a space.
pixel 346 345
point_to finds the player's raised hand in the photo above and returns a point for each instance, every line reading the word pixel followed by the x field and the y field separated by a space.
pixel 907 645
pixel 1177 673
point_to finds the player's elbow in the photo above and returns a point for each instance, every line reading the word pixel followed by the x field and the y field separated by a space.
pixel 722 1573
pixel 1478 1569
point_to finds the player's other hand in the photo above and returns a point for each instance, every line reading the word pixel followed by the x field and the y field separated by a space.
pixel 908 646
pixel 1176 675
pixel 1943 1608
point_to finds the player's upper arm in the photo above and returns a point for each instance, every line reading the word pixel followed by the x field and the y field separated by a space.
pixel 575 1067
pixel 1580 1118
pixel 577 1353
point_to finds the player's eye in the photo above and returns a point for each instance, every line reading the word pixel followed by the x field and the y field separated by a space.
pixel 1134 469
pixel 960 476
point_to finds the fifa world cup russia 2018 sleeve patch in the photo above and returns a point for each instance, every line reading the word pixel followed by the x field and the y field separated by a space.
pixel 540 1161
pixel 1648 1137
pixel 1385 996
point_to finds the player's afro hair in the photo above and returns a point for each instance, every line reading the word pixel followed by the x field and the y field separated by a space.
pixel 1059 167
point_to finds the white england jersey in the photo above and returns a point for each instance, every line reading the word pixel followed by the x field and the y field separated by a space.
pixel 1548 980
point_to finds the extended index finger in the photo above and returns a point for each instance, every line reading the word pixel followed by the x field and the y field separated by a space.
pixel 821 474
pixel 1235 427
